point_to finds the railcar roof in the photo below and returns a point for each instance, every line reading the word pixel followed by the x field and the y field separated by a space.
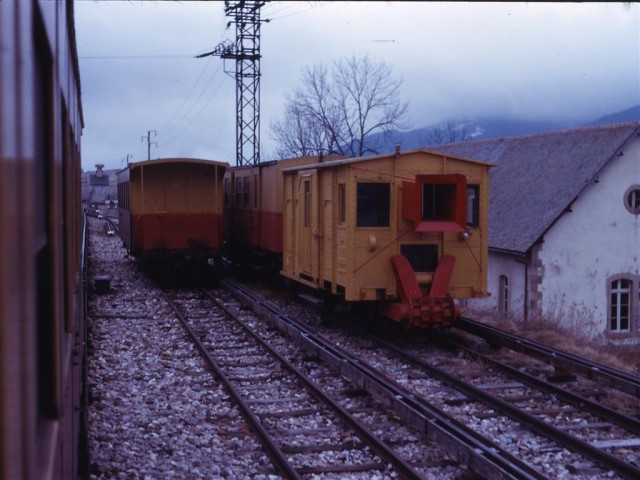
pixel 346 161
pixel 160 161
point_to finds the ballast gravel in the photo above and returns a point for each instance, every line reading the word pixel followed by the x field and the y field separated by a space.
pixel 154 411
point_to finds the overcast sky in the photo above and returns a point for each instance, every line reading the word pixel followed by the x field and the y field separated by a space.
pixel 573 61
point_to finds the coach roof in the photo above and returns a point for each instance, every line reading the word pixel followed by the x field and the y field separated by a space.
pixel 348 161
pixel 160 161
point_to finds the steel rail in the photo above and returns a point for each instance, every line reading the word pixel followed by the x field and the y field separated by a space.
pixel 386 453
pixel 597 372
pixel 482 456
pixel 624 421
pixel 275 453
pixel 596 454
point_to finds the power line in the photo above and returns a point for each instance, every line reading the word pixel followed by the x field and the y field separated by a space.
pixel 204 105
pixel 164 130
pixel 273 15
pixel 131 57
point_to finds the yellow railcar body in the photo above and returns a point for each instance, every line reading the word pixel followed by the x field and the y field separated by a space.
pixel 334 241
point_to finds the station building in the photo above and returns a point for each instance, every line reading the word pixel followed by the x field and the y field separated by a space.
pixel 564 229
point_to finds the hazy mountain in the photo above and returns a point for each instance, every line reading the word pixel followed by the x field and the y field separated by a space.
pixel 489 127
pixel 630 115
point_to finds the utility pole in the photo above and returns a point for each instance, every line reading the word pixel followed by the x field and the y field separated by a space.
pixel 246 53
pixel 149 142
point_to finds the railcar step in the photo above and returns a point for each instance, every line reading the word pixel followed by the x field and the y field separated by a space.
pixel 310 299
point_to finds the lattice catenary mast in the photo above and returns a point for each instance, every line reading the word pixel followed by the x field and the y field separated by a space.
pixel 246 53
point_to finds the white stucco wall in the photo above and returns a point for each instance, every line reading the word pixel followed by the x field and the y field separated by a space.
pixel 500 264
pixel 598 239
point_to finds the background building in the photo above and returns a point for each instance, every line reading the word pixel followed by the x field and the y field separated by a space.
pixel 564 232
pixel 99 187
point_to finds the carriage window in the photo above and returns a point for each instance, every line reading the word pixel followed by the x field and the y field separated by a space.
pixel 307 192
pixel 438 202
pixel 44 254
pixel 473 205
pixel 342 203
pixel 246 193
pixel 238 192
pixel 255 191
pixel 227 192
pixel 373 204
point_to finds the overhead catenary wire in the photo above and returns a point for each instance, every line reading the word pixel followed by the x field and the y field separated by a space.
pixel 274 15
pixel 204 105
pixel 168 126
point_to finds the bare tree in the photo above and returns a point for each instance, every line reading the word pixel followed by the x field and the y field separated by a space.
pixel 449 132
pixel 337 111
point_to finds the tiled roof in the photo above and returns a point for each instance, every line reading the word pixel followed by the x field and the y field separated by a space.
pixel 537 177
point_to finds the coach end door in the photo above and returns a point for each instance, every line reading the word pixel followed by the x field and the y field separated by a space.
pixel 308 225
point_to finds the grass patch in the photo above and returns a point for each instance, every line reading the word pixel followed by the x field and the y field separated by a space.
pixel 572 340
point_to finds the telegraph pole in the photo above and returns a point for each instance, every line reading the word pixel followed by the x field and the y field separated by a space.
pixel 149 142
pixel 246 53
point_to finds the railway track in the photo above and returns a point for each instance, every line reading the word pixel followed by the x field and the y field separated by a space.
pixel 303 430
pixel 561 446
pixel 454 422
pixel 482 455
pixel 601 434
pixel 562 361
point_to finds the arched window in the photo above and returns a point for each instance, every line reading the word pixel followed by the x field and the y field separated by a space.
pixel 620 305
pixel 503 295
pixel 632 199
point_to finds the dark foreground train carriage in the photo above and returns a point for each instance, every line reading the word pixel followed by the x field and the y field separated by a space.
pixel 171 208
pixel 406 232
pixel 42 327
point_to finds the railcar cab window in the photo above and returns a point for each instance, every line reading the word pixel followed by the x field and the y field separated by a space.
pixel 373 204
pixel 438 201
pixel 473 206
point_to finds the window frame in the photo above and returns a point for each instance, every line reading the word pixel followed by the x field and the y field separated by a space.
pixel 381 221
pixel 614 294
pixel 632 199
pixel 504 297
pixel 238 192
pixel 246 192
pixel 342 203
pixel 473 206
